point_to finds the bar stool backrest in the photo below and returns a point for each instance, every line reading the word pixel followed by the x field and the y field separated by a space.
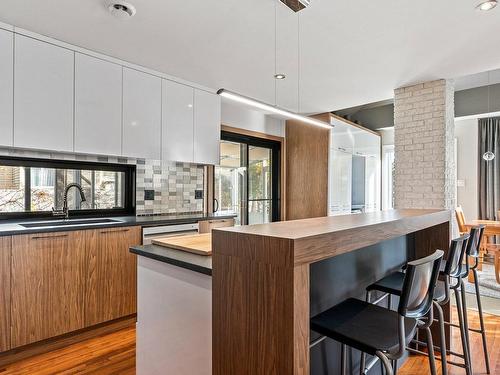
pixel 476 235
pixel 456 255
pixel 419 284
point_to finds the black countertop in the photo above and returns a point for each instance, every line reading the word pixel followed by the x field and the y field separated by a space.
pixel 179 258
pixel 14 227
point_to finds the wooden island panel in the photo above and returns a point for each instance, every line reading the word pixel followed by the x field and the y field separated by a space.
pixel 261 302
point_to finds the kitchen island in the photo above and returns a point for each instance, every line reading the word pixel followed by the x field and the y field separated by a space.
pixel 174 311
pixel 269 279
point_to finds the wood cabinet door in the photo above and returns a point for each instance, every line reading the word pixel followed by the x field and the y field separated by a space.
pixel 46 286
pixel 5 254
pixel 111 274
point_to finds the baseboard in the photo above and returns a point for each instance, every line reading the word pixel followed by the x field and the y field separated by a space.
pixel 58 342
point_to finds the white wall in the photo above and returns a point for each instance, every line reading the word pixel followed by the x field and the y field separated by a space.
pixel 387 136
pixel 467 166
pixel 240 116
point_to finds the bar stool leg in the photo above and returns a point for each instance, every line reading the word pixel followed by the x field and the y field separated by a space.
pixel 460 312
pixel 395 366
pixel 385 361
pixel 430 348
pixel 362 361
pixel 343 359
pixel 481 322
pixel 442 343
pixel 466 320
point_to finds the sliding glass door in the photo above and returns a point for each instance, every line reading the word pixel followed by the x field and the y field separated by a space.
pixel 247 182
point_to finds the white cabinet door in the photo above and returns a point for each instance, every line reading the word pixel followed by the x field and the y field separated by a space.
pixel 43 95
pixel 6 87
pixel 141 115
pixel 342 136
pixel 177 122
pixel 206 127
pixel 340 184
pixel 373 184
pixel 98 106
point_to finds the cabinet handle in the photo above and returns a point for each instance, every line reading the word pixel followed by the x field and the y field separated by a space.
pixel 47 237
pixel 114 231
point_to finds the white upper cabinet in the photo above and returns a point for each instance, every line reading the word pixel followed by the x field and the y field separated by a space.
pixel 177 122
pixel 6 87
pixel 207 109
pixel 342 136
pixel 98 106
pixel 367 143
pixel 141 115
pixel 43 95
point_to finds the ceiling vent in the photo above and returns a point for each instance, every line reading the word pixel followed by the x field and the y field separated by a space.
pixel 296 5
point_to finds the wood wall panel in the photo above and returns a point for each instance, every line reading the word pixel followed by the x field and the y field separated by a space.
pixel 47 277
pixel 5 254
pixel 111 275
pixel 306 170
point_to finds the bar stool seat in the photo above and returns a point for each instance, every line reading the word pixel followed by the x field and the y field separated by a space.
pixel 363 326
pixel 393 284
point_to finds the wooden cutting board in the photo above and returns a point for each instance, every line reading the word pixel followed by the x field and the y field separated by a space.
pixel 197 243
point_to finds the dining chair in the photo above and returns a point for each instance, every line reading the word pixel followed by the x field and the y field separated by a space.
pixel 459 213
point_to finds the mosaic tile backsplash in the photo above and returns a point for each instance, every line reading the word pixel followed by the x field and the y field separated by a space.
pixel 174 183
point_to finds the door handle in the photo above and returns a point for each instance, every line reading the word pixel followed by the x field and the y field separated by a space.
pixel 48 237
pixel 114 231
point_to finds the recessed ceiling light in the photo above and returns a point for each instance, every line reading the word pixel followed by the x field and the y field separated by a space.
pixel 279 76
pixel 487 5
pixel 121 10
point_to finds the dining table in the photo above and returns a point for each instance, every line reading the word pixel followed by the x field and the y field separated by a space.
pixel 492 229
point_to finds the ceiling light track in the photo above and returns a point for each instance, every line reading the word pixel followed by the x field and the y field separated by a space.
pixel 273 109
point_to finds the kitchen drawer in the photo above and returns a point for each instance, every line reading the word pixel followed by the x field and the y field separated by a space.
pixel 206 226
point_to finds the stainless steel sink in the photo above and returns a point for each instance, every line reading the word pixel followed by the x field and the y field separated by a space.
pixel 69 222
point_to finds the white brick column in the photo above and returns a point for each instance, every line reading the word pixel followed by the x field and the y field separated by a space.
pixel 424 146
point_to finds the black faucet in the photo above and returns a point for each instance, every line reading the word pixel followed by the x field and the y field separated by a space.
pixel 65 212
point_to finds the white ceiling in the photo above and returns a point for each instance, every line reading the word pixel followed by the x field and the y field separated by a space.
pixel 352 52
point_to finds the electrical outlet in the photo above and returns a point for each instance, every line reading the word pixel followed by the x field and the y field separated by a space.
pixel 149 195
pixel 198 194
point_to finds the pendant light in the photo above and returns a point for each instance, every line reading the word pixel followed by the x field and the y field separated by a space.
pixel 277 76
pixel 488 155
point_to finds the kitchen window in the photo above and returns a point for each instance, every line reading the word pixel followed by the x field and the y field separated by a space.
pixel 32 187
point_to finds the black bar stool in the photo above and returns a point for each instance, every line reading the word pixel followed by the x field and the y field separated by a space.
pixel 382 332
pixel 453 268
pixel 473 257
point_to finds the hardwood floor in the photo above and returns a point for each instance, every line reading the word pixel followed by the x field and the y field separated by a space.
pixel 419 365
pixel 115 354
pixel 104 355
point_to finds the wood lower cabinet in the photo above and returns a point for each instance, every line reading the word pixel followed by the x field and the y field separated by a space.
pixel 56 283
pixel 5 253
pixel 47 283
pixel 111 274
pixel 206 226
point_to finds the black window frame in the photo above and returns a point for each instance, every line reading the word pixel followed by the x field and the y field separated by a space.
pixel 275 148
pixel 129 199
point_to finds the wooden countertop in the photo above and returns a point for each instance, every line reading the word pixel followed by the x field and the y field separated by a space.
pixel 311 240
